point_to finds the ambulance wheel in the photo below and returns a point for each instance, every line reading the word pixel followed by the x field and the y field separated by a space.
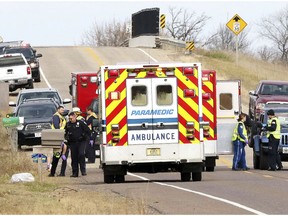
pixel 185 176
pixel 108 178
pixel 210 169
pixel 120 178
pixel 196 176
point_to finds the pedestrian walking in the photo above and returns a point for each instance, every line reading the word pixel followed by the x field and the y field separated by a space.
pixel 77 133
pixel 273 129
pixel 240 140
pixel 90 146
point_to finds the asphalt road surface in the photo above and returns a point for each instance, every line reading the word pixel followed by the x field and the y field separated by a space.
pixel 220 192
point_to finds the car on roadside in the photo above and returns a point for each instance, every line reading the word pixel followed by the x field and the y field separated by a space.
pixel 259 141
pixel 267 92
pixel 31 56
pixel 37 115
pixel 15 70
pixel 26 94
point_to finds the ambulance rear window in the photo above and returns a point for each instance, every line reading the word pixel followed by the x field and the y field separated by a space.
pixel 164 95
pixel 226 101
pixel 139 95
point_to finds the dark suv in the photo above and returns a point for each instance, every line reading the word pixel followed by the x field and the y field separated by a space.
pixel 31 57
pixel 259 141
pixel 37 115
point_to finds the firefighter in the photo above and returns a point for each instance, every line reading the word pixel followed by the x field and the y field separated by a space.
pixel 273 129
pixel 240 139
pixel 59 122
pixel 77 134
pixel 90 147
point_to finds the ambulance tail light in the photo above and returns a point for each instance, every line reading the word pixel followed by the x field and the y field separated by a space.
pixel 28 70
pixel 205 77
pixel 150 73
pixel 84 81
pixel 188 71
pixel 190 130
pixel 113 73
pixel 115 133
pixel 206 129
pixel 115 95
pixel 189 93
pixel 206 96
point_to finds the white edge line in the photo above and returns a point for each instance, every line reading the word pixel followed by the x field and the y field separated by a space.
pixel 205 195
pixel 44 77
pixel 155 60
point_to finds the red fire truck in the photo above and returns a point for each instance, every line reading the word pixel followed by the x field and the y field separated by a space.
pixel 83 89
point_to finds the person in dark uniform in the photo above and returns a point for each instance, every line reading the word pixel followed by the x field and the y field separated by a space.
pixel 77 133
pixel 90 146
pixel 273 129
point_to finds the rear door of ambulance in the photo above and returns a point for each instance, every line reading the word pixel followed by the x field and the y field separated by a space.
pixel 228 109
pixel 152 116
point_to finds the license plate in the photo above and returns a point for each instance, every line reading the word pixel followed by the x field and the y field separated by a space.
pixel 153 151
pixel 285 150
pixel 37 134
pixel 22 81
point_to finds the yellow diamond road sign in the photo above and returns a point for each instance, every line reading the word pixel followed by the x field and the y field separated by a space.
pixel 236 24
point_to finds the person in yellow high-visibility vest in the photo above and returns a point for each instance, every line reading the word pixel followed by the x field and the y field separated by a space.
pixel 240 139
pixel 273 129
pixel 59 122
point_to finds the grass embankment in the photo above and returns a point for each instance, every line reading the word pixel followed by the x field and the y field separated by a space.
pixel 51 195
pixel 249 70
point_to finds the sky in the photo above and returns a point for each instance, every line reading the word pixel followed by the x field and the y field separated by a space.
pixel 63 23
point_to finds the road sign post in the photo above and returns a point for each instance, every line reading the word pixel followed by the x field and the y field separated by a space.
pixel 236 25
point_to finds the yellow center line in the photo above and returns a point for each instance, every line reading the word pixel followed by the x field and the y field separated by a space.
pixel 95 57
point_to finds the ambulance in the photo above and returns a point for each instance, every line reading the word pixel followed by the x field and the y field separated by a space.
pixel 151 120
pixel 83 89
pixel 221 107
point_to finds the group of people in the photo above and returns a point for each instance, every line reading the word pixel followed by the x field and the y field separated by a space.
pixel 79 139
pixel 240 140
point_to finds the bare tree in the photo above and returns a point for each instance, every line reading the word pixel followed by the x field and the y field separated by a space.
pixel 185 26
pixel 266 53
pixel 225 39
pixel 109 34
pixel 275 29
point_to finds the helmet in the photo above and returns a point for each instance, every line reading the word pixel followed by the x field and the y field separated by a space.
pixel 76 109
pixel 270 112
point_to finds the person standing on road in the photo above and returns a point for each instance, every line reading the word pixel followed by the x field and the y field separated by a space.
pixel 273 129
pixel 77 134
pixel 78 112
pixel 59 122
pixel 240 139
pixel 90 147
